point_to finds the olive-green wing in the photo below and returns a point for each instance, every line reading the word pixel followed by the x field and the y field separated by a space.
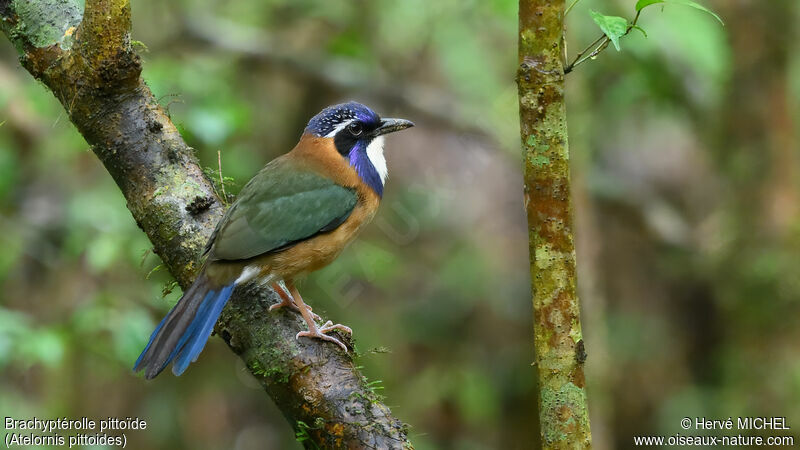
pixel 283 204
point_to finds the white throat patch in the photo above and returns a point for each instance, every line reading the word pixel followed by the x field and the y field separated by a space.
pixel 375 155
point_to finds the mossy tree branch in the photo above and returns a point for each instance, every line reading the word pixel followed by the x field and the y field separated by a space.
pixel 86 60
pixel 558 341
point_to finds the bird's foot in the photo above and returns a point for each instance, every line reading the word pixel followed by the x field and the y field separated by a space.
pixel 319 333
pixel 313 330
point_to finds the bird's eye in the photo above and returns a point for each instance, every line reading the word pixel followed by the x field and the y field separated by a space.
pixel 355 128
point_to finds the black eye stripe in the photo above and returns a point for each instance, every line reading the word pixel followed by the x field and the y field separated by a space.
pixel 345 140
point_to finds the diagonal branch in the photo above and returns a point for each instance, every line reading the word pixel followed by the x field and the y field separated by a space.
pixel 87 62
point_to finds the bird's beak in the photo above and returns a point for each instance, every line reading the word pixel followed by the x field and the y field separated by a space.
pixel 392 125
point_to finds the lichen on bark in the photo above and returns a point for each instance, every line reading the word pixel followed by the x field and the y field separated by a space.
pixel 42 23
pixel 558 342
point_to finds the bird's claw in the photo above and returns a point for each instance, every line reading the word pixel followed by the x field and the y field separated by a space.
pixel 282 304
pixel 319 333
pixel 330 326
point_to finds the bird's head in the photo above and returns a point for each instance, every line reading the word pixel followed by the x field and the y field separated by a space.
pixel 357 133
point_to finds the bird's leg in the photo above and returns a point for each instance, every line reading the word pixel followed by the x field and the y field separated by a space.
pixel 313 330
pixel 286 300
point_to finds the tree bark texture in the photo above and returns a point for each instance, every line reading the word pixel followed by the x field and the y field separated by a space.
pixel 558 341
pixel 84 56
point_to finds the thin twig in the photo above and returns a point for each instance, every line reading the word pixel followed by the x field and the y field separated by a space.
pixel 603 43
pixel 569 8
pixel 569 68
pixel 221 180
pixel 595 52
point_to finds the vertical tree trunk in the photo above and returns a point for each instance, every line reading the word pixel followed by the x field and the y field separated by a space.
pixel 563 414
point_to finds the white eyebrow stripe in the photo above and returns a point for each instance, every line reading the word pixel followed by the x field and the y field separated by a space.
pixel 339 128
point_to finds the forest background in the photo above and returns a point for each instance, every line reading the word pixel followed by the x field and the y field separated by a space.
pixel 686 176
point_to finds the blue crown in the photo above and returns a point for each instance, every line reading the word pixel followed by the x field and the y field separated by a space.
pixel 326 121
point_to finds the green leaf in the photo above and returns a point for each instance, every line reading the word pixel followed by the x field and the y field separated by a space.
pixel 696 6
pixel 613 26
pixel 644 3
pixel 641 4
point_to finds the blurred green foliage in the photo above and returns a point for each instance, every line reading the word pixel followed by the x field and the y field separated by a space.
pixel 685 171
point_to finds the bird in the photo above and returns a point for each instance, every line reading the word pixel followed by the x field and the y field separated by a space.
pixel 293 217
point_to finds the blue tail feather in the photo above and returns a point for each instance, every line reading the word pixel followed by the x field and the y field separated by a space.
pixel 202 311
pixel 183 333
pixel 150 342
pixel 201 328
